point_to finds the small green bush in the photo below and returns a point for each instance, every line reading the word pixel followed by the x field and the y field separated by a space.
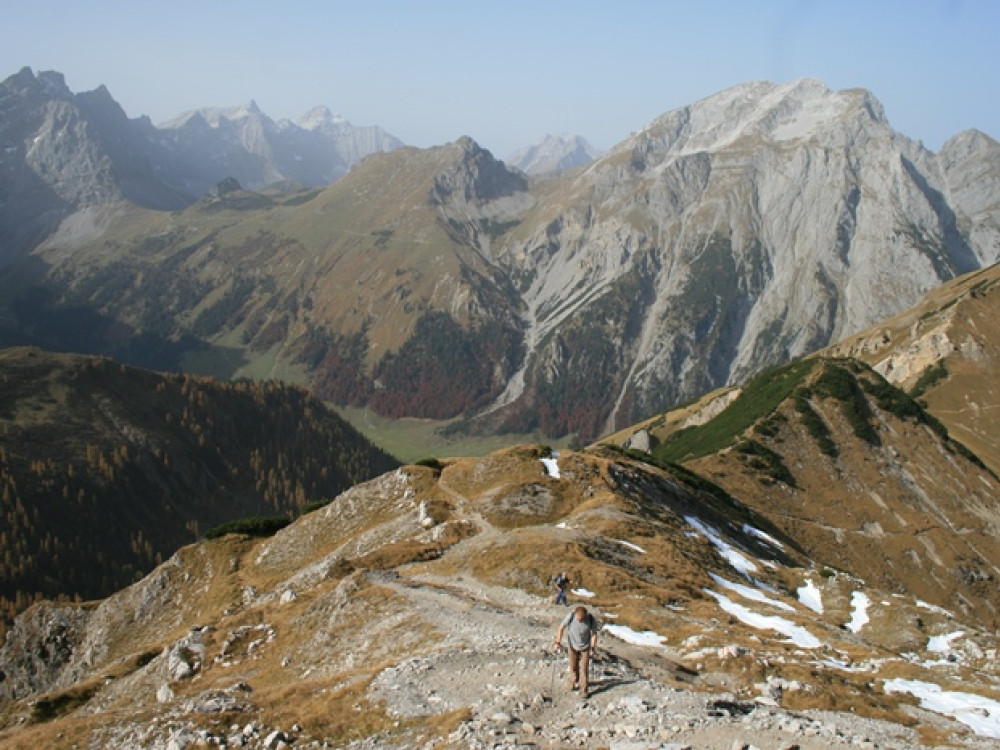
pixel 763 459
pixel 814 423
pixel 771 426
pixel 430 463
pixel 928 379
pixel 254 526
pixel 838 383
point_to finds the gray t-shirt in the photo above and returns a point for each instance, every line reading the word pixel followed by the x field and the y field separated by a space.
pixel 579 632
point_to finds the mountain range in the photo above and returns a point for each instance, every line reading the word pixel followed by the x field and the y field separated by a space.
pixel 731 235
pixel 61 152
pixel 811 562
pixel 725 237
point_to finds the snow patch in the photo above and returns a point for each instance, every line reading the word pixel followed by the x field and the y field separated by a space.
pixel 859 613
pixel 796 633
pixel 751 531
pixel 975 711
pixel 551 467
pixel 631 546
pixel 873 665
pixel 645 638
pixel 810 597
pixel 941 644
pixel 583 592
pixel 748 592
pixel 733 556
pixel 935 608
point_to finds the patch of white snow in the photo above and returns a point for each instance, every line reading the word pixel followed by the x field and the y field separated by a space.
pixel 748 592
pixel 859 613
pixel 935 608
pixel 796 633
pixel 645 638
pixel 975 711
pixel 941 644
pixel 732 555
pixel 551 467
pixel 583 592
pixel 810 596
pixel 631 546
pixel 748 529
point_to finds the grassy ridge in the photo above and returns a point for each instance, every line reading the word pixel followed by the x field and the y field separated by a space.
pixel 757 401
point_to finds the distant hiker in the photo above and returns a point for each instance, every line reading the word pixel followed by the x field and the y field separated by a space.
pixel 581 627
pixel 562 583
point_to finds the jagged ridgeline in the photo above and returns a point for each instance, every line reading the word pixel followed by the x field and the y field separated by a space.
pixel 105 470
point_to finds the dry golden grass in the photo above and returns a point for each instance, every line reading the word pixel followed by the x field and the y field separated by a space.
pixel 338 711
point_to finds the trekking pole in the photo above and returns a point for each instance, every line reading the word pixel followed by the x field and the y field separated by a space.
pixel 552 679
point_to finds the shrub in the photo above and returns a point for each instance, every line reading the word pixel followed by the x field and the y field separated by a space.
pixel 929 378
pixel 430 463
pixel 254 526
pixel 838 383
pixel 814 423
pixel 763 459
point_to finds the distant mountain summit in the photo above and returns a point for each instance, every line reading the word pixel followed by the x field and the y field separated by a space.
pixel 318 149
pixel 554 153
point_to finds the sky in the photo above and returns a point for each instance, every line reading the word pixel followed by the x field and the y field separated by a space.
pixel 508 72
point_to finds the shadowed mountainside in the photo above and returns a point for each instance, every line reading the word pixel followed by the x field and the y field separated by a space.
pixel 105 470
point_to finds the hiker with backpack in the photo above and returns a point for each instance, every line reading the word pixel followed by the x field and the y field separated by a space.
pixel 562 583
pixel 581 628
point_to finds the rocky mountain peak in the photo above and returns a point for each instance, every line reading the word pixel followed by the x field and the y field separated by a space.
pixel 48 83
pixel 475 177
pixel 760 111
pixel 966 143
pixel 553 154
pixel 320 117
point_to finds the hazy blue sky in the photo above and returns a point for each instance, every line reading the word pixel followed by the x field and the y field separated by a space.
pixel 507 72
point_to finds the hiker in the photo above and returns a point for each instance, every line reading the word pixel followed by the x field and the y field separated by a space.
pixel 581 627
pixel 562 583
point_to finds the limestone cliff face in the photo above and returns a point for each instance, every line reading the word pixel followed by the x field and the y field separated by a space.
pixel 753 226
pixel 971 165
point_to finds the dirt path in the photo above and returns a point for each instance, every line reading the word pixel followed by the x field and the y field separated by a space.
pixel 495 658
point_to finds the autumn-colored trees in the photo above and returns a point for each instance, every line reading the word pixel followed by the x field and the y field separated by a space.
pixel 106 470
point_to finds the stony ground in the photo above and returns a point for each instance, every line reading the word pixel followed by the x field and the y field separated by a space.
pixel 515 684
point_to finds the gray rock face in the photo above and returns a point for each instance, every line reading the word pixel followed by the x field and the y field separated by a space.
pixel 756 225
pixel 971 165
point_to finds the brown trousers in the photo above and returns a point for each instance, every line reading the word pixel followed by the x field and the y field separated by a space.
pixel 579 668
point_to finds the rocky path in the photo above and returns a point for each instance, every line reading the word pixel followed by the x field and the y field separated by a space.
pixel 496 659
